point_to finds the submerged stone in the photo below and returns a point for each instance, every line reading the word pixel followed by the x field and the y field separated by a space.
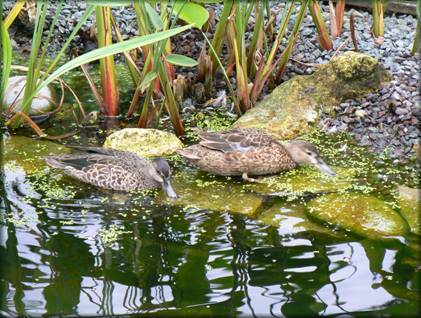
pixel 361 214
pixel 294 106
pixel 290 218
pixel 42 103
pixel 145 142
pixel 195 189
pixel 303 180
pixel 410 204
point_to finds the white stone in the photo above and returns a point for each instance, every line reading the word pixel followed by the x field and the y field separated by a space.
pixel 42 103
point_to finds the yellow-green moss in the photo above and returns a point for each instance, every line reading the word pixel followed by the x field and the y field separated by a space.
pixel 144 142
pixel 361 214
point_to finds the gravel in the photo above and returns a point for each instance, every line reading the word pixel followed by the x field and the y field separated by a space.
pixel 386 121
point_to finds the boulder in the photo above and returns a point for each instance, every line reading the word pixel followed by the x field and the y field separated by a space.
pixel 43 103
pixel 145 142
pixel 361 214
pixel 290 218
pixel 410 204
pixel 303 180
pixel 294 106
pixel 202 191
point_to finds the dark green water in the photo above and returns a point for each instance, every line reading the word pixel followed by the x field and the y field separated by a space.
pixel 69 249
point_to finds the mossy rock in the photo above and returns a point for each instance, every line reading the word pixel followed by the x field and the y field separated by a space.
pixel 28 153
pixel 295 106
pixel 290 218
pixel 199 190
pixel 410 204
pixel 361 214
pixel 144 142
pixel 303 180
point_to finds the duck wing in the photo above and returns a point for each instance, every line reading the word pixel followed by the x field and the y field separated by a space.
pixel 89 156
pixel 239 140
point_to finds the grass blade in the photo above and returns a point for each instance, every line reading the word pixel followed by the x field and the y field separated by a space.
pixel 108 51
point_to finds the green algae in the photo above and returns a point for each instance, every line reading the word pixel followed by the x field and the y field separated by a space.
pixel 294 107
pixel 297 182
pixel 361 214
pixel 144 142
pixel 28 152
pixel 410 206
pixel 203 191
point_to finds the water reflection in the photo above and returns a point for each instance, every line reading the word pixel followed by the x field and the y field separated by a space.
pixel 186 261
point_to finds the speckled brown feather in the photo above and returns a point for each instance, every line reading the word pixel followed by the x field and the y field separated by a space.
pixel 236 151
pixel 106 168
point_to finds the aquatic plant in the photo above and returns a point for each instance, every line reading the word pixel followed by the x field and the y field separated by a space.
pixel 36 81
pixel 378 20
pixel 416 45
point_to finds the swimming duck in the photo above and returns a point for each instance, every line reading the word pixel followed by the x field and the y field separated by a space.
pixel 115 169
pixel 250 151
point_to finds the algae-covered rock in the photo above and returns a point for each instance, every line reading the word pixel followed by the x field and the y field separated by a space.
pixel 204 192
pixel 410 204
pixel 294 106
pixel 144 141
pixel 303 180
pixel 290 218
pixel 361 214
pixel 28 152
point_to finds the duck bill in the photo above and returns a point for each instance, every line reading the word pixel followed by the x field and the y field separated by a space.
pixel 169 190
pixel 324 168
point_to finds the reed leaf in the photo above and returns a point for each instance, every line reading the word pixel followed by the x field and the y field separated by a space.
pixel 180 60
pixel 6 57
pixel 113 49
pixel 13 13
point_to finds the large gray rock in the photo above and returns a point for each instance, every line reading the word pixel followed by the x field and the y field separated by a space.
pixel 294 106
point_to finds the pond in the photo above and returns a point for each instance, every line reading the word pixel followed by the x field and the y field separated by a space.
pixel 70 249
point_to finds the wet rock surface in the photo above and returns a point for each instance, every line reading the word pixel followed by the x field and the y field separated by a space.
pixel 302 181
pixel 360 214
pixel 410 206
pixel 200 191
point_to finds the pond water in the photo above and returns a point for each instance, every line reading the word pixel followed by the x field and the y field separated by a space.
pixel 70 249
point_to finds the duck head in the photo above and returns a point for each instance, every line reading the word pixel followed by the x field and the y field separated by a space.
pixel 303 152
pixel 161 173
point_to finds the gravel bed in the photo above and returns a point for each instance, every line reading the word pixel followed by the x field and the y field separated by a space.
pixel 386 121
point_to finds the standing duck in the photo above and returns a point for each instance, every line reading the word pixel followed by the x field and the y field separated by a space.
pixel 249 151
pixel 115 169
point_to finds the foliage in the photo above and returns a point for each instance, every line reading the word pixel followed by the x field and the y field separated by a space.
pixel 254 63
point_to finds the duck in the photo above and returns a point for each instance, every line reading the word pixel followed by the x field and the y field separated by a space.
pixel 115 169
pixel 250 151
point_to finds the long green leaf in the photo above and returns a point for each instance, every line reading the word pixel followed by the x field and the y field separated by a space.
pixel 148 78
pixel 109 3
pixel 82 20
pixel 181 60
pixel 154 17
pixel 7 61
pixel 192 13
pixel 110 50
